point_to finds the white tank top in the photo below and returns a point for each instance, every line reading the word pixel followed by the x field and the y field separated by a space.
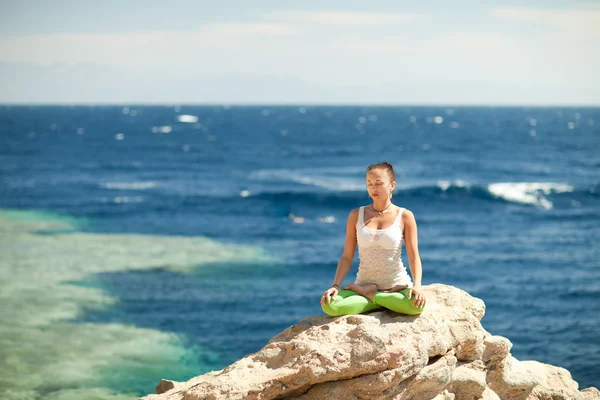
pixel 379 252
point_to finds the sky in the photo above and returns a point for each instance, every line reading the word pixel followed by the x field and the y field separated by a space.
pixel 310 52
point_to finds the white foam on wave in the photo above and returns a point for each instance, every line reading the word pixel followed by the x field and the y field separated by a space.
pixel 334 180
pixel 122 199
pixel 40 306
pixel 140 185
pixel 528 192
pixel 335 184
pixel 190 119
pixel 444 185
pixel 346 179
pixel 327 220
pixel 162 129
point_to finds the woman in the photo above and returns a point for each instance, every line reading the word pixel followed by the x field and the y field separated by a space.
pixel 379 230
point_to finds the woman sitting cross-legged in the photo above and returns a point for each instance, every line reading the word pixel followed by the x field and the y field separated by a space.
pixel 379 230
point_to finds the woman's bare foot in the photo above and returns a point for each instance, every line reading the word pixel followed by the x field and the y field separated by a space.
pixel 396 288
pixel 369 290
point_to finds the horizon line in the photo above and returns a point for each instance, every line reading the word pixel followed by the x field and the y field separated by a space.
pixel 296 104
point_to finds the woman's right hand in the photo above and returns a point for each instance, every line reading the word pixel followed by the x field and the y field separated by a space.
pixel 328 295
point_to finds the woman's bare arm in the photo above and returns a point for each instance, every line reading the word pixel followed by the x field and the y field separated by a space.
pixel 412 246
pixel 345 262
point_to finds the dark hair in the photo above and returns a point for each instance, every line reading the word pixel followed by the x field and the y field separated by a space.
pixel 384 165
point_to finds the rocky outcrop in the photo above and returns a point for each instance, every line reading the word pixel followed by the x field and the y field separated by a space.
pixel 443 353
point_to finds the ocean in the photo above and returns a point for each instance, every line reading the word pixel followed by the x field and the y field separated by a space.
pixel 149 242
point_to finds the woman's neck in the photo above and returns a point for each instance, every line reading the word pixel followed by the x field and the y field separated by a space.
pixel 381 204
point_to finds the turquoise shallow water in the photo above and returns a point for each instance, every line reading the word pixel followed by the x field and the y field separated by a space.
pixel 126 259
pixel 50 348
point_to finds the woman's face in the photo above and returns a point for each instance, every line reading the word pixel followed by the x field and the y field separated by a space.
pixel 378 183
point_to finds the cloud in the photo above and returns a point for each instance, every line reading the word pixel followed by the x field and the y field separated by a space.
pixel 342 18
pixel 305 46
pixel 331 57
pixel 252 29
pixel 577 22
pixel 139 48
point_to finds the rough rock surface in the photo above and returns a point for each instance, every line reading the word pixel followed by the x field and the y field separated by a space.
pixel 443 353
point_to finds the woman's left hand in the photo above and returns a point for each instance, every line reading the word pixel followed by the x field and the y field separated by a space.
pixel 418 296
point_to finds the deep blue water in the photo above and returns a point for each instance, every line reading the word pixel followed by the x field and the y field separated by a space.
pixel 507 202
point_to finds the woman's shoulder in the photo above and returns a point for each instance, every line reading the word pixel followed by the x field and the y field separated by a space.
pixel 357 209
pixel 407 216
pixel 405 210
pixel 353 214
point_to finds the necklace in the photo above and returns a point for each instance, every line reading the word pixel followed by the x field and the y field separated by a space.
pixel 379 212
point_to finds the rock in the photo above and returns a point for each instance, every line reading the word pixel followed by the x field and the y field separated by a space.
pixel 468 381
pixel 555 383
pixel 165 385
pixel 509 379
pixel 496 348
pixel 489 394
pixel 442 354
pixel 445 395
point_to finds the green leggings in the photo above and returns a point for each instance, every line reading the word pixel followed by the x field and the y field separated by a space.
pixel 350 302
